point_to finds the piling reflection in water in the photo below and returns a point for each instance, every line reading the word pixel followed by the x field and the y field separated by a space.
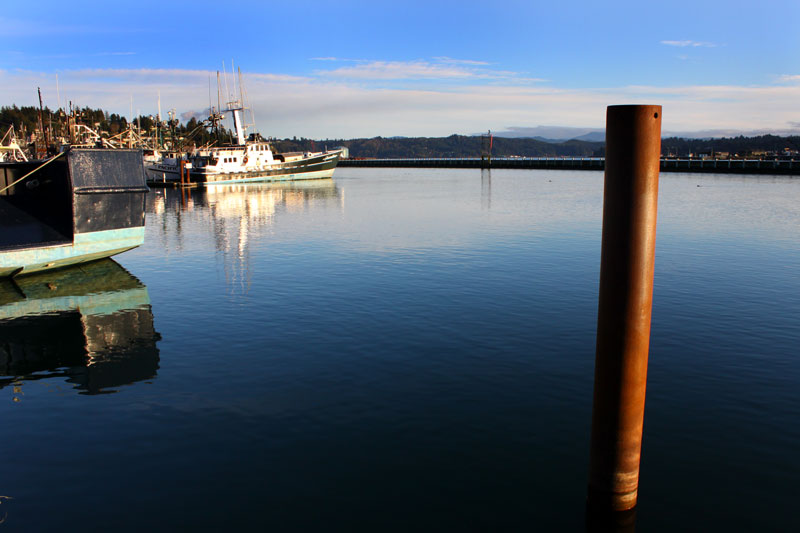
pixel 602 520
pixel 486 188
pixel 92 325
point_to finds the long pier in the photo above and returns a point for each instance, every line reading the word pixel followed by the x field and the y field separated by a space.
pixel 720 166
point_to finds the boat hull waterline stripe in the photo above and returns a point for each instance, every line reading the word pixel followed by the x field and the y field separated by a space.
pixel 318 174
pixel 85 247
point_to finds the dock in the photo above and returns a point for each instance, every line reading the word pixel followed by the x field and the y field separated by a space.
pixel 712 166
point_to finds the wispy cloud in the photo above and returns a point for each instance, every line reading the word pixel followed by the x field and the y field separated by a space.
pixel 689 43
pixel 445 59
pixel 441 68
pixel 790 78
pixel 167 76
pixel 334 107
pixel 398 70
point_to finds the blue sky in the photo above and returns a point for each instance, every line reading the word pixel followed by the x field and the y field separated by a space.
pixel 353 68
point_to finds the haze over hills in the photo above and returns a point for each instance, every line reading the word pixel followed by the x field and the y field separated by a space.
pixel 551 133
pixel 557 134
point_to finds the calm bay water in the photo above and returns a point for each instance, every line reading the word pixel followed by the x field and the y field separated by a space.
pixel 402 349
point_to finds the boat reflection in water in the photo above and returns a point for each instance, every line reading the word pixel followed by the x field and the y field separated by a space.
pixel 237 215
pixel 91 324
pixel 252 200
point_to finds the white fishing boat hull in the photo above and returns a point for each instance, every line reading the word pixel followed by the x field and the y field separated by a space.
pixel 232 166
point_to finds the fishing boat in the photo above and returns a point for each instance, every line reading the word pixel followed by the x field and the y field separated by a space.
pixel 251 159
pixel 77 206
pixel 256 162
pixel 161 167
pixel 11 150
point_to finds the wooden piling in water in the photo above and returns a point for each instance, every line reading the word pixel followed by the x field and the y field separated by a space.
pixel 630 200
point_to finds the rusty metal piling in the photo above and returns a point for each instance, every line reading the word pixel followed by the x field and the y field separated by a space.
pixel 630 200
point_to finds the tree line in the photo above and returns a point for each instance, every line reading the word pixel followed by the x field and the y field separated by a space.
pixel 452 146
pixel 26 118
pixel 473 146
pixel 735 146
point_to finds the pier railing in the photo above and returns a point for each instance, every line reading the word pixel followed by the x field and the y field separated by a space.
pixel 668 164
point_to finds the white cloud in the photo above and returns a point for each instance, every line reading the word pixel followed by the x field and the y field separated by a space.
pixel 442 68
pixel 331 107
pixel 791 78
pixel 399 70
pixel 445 59
pixel 693 44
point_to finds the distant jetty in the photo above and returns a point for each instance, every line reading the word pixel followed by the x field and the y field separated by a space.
pixel 711 166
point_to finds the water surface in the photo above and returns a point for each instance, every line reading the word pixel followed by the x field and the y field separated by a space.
pixel 403 349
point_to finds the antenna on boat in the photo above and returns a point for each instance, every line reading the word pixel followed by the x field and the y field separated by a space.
pixel 242 100
pixel 225 74
pixel 139 125
pixel 252 115
pixel 157 143
pixel 130 126
pixel 219 107
pixel 241 96
pixel 41 124
pixel 233 79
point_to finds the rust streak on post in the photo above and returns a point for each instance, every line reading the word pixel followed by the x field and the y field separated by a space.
pixel 633 148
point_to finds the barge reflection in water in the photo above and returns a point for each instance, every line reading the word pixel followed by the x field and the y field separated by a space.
pixel 91 324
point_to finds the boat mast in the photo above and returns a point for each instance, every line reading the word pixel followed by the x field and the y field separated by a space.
pixel 219 110
pixel 158 124
pixel 41 122
pixel 237 121
pixel 236 106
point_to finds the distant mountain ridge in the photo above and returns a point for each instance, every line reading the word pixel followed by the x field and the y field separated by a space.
pixel 472 146
pixel 452 146
pixel 555 134
pixel 552 134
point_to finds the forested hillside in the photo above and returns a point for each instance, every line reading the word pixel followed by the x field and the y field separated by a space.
pixel 452 146
pixel 25 120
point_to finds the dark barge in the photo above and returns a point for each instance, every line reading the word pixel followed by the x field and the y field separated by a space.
pixel 78 206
